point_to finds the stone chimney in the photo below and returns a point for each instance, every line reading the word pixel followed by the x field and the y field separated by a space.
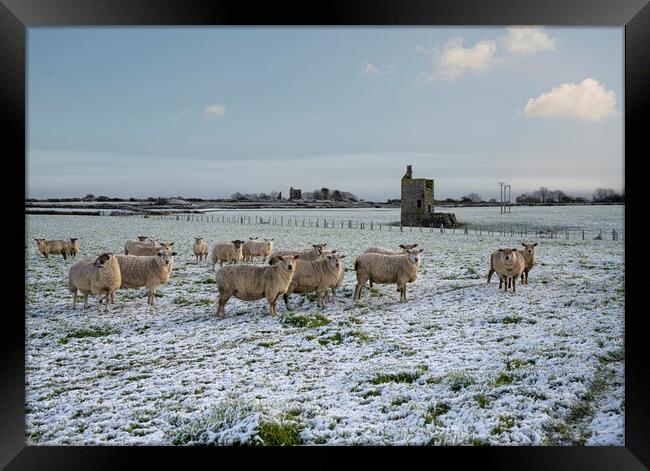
pixel 409 171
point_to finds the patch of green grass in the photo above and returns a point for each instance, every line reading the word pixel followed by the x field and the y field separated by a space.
pixel 481 400
pixel 274 434
pixel 302 320
pixel 512 319
pixel 505 424
pixel 399 401
pixel 459 380
pixel 405 377
pixel 518 363
pixel 479 442
pixel 205 302
pixel 94 331
pixel 209 281
pixel 371 393
pixel 435 412
pixel 336 338
pixel 267 344
pixel 503 379
pixel 374 292
pixel 182 301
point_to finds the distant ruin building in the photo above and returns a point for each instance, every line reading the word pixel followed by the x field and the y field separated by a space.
pixel 295 193
pixel 418 204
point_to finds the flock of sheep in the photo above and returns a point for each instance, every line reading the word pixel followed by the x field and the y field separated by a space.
pixel 148 263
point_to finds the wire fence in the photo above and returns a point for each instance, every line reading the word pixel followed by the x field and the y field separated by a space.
pixel 522 232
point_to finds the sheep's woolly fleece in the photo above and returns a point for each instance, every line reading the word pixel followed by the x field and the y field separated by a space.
pixel 460 363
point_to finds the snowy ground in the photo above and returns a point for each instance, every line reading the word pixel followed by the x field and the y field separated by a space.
pixel 460 363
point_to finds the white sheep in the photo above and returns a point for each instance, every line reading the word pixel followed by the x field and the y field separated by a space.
pixel 315 275
pixel 146 271
pixel 341 275
pixel 403 249
pixel 141 242
pixel 529 260
pixel 251 282
pixel 309 254
pixel 52 247
pixel 200 248
pixel 149 250
pixel 382 269
pixel 508 264
pixel 98 277
pixel 257 248
pixel 230 251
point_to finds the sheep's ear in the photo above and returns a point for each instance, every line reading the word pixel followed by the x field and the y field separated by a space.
pixel 523 244
pixel 401 246
pixel 342 256
pixel 171 243
pixel 415 245
pixel 296 257
pixel 535 244
pixel 333 251
pixel 174 254
pixel 421 250
pixel 281 257
pixel 500 250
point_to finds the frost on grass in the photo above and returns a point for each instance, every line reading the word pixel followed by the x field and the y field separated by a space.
pixel 461 363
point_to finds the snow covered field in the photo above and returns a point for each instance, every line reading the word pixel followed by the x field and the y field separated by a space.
pixel 460 363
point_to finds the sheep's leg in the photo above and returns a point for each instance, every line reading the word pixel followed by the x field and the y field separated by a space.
pixel 223 299
pixel 500 281
pixel 85 301
pixel 333 295
pixel 285 296
pixel 74 298
pixel 271 301
pixel 514 281
pixel 404 292
pixel 490 273
pixel 526 276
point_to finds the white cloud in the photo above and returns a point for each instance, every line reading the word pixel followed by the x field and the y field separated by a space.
pixel 372 69
pixel 587 100
pixel 453 60
pixel 214 110
pixel 527 40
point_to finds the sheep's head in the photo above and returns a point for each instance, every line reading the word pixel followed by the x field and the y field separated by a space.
pixel 406 248
pixel 287 262
pixel 167 245
pixel 198 239
pixel 142 238
pixel 414 255
pixel 74 239
pixel 529 249
pixel 252 238
pixel 102 259
pixel 237 243
pixel 508 254
pixel 269 243
pixel 319 248
pixel 334 259
pixel 165 257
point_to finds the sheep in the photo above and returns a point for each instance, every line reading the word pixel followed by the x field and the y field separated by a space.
pixel 341 275
pixel 309 254
pixel 382 250
pixel 148 271
pixel 96 277
pixel 227 252
pixel 508 264
pixel 129 244
pixel 73 247
pixel 257 248
pixel 251 282
pixel 380 268
pixel 52 247
pixel 315 275
pixel 529 260
pixel 149 250
pixel 200 248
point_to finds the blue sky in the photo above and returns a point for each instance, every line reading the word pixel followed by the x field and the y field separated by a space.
pixel 206 112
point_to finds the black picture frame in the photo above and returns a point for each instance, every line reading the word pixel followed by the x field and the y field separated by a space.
pixel 17 15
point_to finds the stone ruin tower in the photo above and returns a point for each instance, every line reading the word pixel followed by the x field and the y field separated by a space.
pixel 417 203
pixel 417 200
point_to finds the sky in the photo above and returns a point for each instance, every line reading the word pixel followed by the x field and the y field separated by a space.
pixel 208 111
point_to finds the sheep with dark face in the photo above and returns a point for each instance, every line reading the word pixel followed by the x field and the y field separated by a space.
pixel 73 247
pixel 52 247
pixel 146 271
pixel 316 275
pixel 309 254
pixel 251 282
pixel 383 269
pixel 230 251
pixel 98 277
pixel 509 265
pixel 528 253
pixel 257 248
